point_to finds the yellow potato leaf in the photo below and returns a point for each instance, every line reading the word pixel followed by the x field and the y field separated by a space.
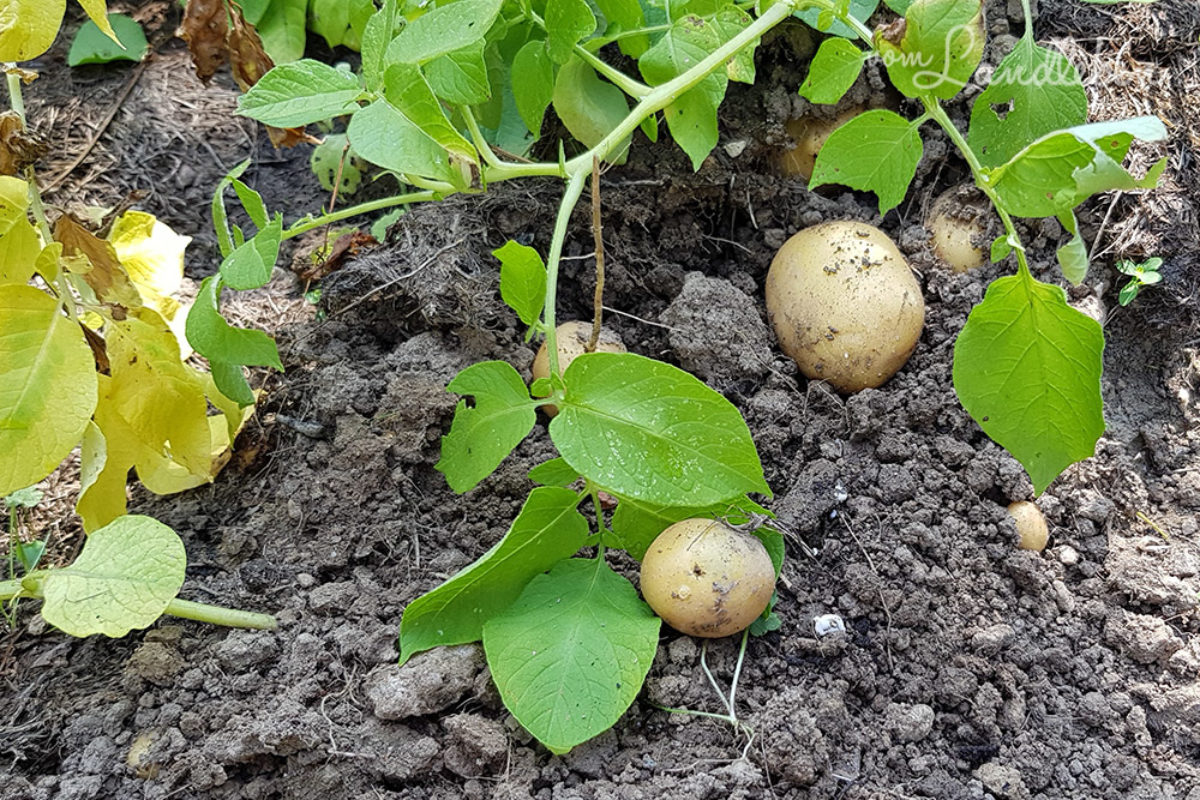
pixel 233 414
pixel 160 397
pixel 47 386
pixel 95 260
pixel 19 249
pixel 97 11
pixel 106 455
pixel 48 260
pixel 28 27
pixel 167 477
pixel 152 255
pixel 14 200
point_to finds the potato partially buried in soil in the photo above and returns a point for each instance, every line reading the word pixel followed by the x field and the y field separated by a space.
pixel 844 304
pixel 707 579
pixel 572 343
pixel 958 228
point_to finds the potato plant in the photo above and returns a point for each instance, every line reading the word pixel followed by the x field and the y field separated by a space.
pixel 450 98
pixel 92 356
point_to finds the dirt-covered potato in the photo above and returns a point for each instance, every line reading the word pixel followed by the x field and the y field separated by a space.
pixel 844 304
pixel 572 341
pixel 707 579
pixel 809 133
pixel 1031 525
pixel 958 227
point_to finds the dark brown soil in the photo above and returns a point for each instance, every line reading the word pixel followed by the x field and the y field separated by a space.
pixel 968 668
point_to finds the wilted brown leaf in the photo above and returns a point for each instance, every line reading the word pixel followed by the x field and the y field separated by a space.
pixel 289 137
pixel 247 58
pixel 346 246
pixel 96 261
pixel 204 28
pixel 18 148
pixel 99 349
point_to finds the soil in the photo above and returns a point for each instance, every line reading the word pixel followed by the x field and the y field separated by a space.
pixel 966 669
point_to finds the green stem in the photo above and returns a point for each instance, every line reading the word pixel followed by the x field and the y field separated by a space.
pixel 631 87
pixel 304 226
pixel 219 615
pixel 570 198
pixel 477 137
pixel 934 110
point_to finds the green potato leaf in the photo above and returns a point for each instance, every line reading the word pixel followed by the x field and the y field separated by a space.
pixel 1033 92
pixel 250 264
pixel 935 50
pixel 340 22
pixel 1027 369
pixel 1072 256
pixel 383 135
pixel 300 93
pixel 644 429
pixel 1062 169
pixel 522 280
pixel 227 347
pixel 442 30
pixel 533 83
pixel 567 21
pixel 570 655
pixel 483 434
pixel 833 70
pixel 93 46
pixel 877 151
pixel 410 94
pixel 282 29
pixel 124 578
pixel 861 10
pixel 626 15
pixel 47 386
pixel 692 118
pixel 377 35
pixel 547 530
pixel 589 107
pixel 460 77
pixel 555 472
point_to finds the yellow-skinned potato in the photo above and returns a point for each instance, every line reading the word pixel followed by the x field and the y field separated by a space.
pixel 957 224
pixel 810 134
pixel 844 304
pixel 572 341
pixel 707 579
pixel 1031 525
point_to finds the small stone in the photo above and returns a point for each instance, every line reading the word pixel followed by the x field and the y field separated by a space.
pixel 909 723
pixel 1068 556
pixel 1063 597
pixel 430 682
pixel 1004 782
pixel 991 640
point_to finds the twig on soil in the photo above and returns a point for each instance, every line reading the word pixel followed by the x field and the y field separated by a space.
pixel 598 236
pixel 887 612
pixel 639 319
pixel 136 75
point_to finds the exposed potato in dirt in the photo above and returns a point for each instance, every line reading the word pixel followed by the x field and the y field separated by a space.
pixel 1031 525
pixel 809 133
pixel 572 342
pixel 844 304
pixel 958 225
pixel 707 579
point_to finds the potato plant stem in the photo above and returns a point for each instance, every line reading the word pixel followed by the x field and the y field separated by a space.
pixel 565 207
pixel 219 615
pixel 304 226
pixel 598 238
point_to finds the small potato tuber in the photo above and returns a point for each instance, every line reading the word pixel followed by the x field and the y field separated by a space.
pixel 706 579
pixel 958 225
pixel 844 304
pixel 1031 525
pixel 809 133
pixel 572 341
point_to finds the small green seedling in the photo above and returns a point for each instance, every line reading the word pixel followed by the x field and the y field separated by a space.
pixel 94 46
pixel 1140 275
